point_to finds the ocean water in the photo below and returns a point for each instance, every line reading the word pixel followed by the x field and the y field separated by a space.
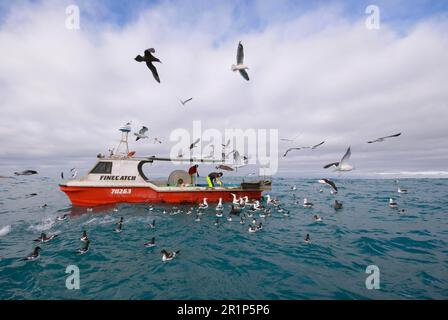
pixel 226 261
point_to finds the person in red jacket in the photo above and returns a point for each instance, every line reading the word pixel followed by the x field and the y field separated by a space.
pixel 193 172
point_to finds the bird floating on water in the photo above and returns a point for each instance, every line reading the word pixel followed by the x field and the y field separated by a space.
pixel 85 248
pixel 307 204
pixel 44 238
pixel 337 205
pixel 150 243
pixel 401 190
pixel 168 255
pixel 307 238
pixel 84 236
pixel 240 62
pixel 392 203
pixel 219 206
pixel 149 59
pixel 204 204
pixel 34 255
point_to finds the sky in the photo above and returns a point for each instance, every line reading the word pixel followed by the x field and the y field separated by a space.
pixel 316 72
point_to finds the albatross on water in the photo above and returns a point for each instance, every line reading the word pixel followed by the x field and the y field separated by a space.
pixel 343 164
pixel 149 59
pixel 240 62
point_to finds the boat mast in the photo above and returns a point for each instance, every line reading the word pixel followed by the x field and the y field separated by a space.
pixel 123 149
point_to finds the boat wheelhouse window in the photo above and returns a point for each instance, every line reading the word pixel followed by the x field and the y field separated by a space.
pixel 102 167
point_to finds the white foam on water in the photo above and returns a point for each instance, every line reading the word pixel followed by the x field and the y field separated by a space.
pixel 90 221
pixel 46 224
pixel 5 230
pixel 107 219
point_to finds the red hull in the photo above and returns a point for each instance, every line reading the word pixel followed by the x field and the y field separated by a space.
pixel 93 196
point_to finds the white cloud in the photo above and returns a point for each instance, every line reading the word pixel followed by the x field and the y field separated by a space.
pixel 64 93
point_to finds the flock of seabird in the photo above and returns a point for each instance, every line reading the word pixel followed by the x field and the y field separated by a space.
pixel 150 59
pixel 341 165
pixel 44 238
pixel 255 211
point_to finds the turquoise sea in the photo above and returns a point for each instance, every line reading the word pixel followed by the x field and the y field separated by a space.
pixel 225 261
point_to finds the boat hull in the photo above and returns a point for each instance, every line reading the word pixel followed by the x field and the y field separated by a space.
pixel 95 195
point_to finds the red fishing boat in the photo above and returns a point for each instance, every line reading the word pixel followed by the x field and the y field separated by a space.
pixel 119 178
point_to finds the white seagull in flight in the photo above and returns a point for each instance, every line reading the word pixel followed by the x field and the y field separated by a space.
pixel 240 62
pixel 298 148
pixel 384 138
pixel 141 134
pixel 343 164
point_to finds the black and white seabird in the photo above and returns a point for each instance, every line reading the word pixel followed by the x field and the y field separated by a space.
pixel 204 204
pixel 330 183
pixel 152 225
pixel 300 148
pixel 392 203
pixel 219 206
pixel 62 218
pixel 307 238
pixel 240 62
pixel 84 236
pixel 34 255
pixel 85 248
pixel 150 243
pixel 307 204
pixel 149 59
pixel 274 202
pixel 384 138
pixel 168 255
pixel 317 218
pixel 44 238
pixel 141 133
pixel 343 164
pixel 401 190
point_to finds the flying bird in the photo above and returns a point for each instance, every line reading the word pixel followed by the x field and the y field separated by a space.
pixel 240 62
pixel 149 59
pixel 330 183
pixel 290 139
pixel 299 148
pixel 384 138
pixel 343 164
pixel 317 145
pixel 141 133
pixel 194 143
pixel 185 101
pixel 156 140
